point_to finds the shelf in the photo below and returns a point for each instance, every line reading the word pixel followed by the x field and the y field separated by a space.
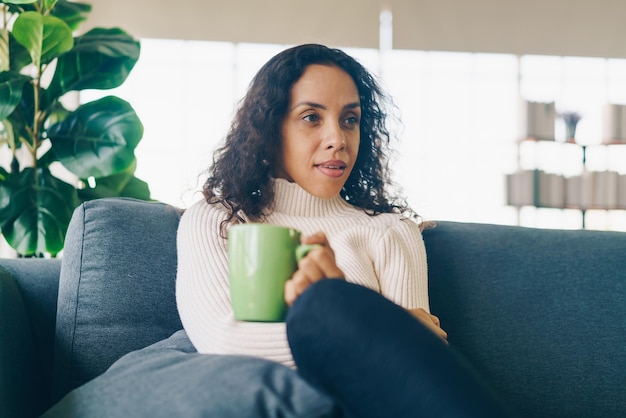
pixel 572 141
pixel 599 189
pixel 583 211
pixel 569 207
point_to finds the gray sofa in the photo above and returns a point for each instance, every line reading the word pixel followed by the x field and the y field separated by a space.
pixel 541 314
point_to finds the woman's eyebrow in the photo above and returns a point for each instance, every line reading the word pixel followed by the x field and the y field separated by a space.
pixel 352 105
pixel 310 104
pixel 321 106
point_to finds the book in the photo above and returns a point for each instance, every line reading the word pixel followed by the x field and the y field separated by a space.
pixel 614 123
pixel 605 189
pixel 521 188
pixel 540 120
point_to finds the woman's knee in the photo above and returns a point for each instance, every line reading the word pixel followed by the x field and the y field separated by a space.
pixel 320 310
pixel 327 300
pixel 333 309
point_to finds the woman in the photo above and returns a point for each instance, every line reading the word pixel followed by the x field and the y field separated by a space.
pixel 308 149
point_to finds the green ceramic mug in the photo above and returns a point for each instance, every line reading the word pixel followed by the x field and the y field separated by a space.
pixel 261 258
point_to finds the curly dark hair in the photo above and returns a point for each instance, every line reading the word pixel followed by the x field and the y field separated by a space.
pixel 241 175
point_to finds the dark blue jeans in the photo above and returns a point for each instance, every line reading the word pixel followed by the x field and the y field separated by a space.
pixel 376 360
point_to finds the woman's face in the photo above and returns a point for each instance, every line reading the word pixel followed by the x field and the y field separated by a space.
pixel 320 132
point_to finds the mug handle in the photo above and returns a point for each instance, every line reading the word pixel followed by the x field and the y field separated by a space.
pixel 303 249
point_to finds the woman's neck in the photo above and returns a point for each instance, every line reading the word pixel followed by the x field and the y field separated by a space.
pixel 292 199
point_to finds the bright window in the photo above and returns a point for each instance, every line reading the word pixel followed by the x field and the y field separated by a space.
pixel 460 114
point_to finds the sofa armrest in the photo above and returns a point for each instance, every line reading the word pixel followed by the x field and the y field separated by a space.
pixel 21 390
pixel 28 298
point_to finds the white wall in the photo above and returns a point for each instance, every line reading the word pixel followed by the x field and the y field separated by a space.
pixel 553 27
pixel 344 22
pixel 593 28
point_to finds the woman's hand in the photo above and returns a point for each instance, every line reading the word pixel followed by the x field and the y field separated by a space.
pixel 318 264
pixel 431 322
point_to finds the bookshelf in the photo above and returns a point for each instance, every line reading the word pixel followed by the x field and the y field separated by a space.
pixel 573 185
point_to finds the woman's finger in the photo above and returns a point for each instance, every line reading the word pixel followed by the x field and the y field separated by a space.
pixel 316 238
pixel 430 321
pixel 295 286
pixel 322 264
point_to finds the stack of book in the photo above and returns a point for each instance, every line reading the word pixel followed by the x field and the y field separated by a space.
pixel 589 190
pixel 535 188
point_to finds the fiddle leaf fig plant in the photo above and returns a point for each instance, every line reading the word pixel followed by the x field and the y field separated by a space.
pixel 54 152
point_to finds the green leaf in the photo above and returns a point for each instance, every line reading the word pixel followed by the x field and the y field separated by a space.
pixel 109 186
pixel 49 4
pixel 6 135
pixel 35 211
pixel 118 185
pixel 72 13
pixel 98 139
pixel 19 1
pixel 22 117
pixel 45 37
pixel 136 188
pixel 11 85
pixel 100 59
pixel 19 56
pixel 56 113
pixel 28 31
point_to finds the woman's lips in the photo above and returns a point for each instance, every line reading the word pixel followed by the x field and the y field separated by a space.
pixel 334 168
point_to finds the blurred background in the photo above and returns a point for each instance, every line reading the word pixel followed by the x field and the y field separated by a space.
pixel 462 73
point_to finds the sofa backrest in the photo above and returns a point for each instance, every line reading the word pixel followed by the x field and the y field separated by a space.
pixel 540 313
pixel 116 287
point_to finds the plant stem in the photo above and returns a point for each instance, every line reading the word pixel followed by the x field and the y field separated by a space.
pixel 36 124
pixel 4 39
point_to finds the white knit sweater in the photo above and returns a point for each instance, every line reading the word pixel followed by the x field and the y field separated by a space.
pixel 384 252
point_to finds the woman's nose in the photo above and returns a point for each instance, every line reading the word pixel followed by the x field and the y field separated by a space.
pixel 335 138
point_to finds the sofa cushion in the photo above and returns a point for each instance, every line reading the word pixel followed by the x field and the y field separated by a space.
pixel 117 286
pixel 541 313
pixel 170 379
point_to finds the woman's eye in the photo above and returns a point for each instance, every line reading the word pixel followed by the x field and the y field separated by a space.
pixel 312 118
pixel 351 121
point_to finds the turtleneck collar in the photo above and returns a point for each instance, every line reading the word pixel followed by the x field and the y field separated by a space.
pixel 290 198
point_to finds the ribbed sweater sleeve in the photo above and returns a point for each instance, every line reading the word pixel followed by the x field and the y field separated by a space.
pixel 400 264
